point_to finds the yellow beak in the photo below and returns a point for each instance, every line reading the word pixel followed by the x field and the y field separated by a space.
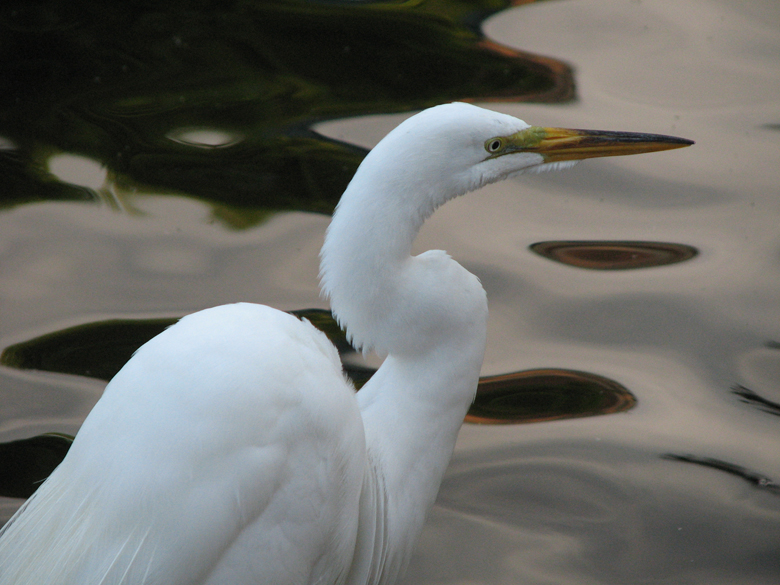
pixel 560 144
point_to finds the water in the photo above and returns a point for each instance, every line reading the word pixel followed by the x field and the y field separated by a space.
pixel 147 212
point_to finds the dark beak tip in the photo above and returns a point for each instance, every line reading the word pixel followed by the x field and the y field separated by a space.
pixel 676 140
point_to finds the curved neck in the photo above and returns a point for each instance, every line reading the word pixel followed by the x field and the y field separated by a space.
pixel 365 254
pixel 429 315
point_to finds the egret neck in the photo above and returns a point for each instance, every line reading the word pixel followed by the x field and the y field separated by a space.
pixel 429 315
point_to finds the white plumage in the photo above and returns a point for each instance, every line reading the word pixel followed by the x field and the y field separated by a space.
pixel 231 449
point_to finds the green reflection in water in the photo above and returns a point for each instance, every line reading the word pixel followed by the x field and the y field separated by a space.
pixel 96 350
pixel 26 463
pixel 546 394
pixel 121 83
pixel 100 349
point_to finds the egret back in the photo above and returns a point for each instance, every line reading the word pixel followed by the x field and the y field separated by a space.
pixel 192 466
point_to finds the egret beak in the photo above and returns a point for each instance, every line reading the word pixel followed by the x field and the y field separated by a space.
pixel 560 144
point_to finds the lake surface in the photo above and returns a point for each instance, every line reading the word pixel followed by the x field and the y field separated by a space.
pixel 134 201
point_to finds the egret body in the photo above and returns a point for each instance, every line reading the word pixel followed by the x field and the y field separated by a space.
pixel 231 449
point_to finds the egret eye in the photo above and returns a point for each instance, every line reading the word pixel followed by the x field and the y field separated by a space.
pixel 494 145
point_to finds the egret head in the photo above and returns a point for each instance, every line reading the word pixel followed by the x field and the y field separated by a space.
pixel 451 149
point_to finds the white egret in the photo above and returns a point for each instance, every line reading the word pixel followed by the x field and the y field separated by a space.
pixel 230 449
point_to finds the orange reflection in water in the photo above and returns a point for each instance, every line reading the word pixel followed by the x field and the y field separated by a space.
pixel 617 255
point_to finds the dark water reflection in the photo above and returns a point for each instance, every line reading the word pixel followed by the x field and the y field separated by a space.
pixel 159 160
pixel 25 463
pixel 137 89
pixel 545 395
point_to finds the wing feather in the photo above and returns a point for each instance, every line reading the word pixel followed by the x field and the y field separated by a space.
pixel 196 465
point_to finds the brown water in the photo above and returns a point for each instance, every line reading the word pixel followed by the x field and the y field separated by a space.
pixel 678 489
